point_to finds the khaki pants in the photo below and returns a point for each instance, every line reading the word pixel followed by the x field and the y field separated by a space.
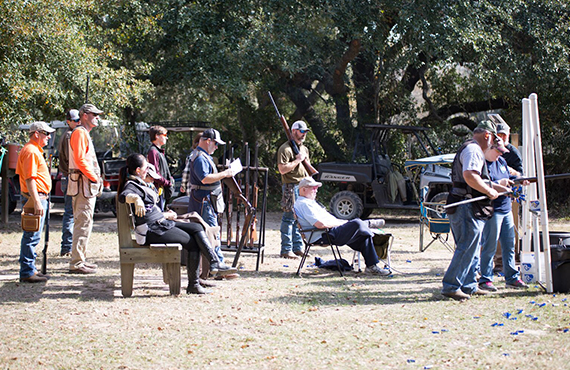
pixel 83 209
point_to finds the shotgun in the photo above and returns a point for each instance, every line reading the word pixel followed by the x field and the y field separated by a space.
pixel 230 201
pixel 310 169
pixel 560 176
pixel 46 242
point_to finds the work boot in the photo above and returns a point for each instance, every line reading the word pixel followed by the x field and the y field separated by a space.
pixel 193 269
pixel 216 267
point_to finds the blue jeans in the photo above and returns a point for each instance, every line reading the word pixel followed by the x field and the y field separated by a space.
pixel 67 221
pixel 206 211
pixel 28 247
pixel 291 239
pixel 500 227
pixel 466 229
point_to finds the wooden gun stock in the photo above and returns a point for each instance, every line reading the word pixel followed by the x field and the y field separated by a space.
pixel 310 169
pixel 232 184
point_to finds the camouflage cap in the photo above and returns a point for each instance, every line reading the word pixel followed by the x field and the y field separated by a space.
pixel 489 126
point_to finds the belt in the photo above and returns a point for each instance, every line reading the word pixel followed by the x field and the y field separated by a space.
pixel 41 194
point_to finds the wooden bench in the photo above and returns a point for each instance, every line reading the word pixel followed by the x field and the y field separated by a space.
pixel 131 253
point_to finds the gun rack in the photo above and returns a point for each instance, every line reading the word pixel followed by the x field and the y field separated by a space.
pixel 243 222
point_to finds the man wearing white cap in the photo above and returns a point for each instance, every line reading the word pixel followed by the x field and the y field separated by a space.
pixel 84 185
pixel 72 120
pixel 354 233
pixel 205 193
pixel 292 171
pixel 35 185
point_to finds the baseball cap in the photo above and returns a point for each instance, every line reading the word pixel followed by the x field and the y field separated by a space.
pixel 214 135
pixel 41 126
pixel 503 128
pixel 72 115
pixel 151 171
pixel 489 126
pixel 309 181
pixel 300 125
pixel 499 144
pixel 89 108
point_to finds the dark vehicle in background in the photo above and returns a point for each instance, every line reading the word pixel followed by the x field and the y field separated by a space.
pixel 374 181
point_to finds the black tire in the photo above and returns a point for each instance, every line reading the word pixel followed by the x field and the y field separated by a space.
pixel 346 205
pixel 438 198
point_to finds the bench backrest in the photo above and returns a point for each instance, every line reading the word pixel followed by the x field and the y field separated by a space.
pixel 124 224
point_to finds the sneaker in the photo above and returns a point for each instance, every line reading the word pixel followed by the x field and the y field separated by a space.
pixel 90 265
pixel 65 254
pixel 458 295
pixel 82 269
pixel 289 255
pixel 377 270
pixel 376 223
pixel 518 284
pixel 481 292
pixel 488 286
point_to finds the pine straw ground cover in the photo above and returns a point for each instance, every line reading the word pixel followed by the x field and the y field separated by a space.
pixel 270 319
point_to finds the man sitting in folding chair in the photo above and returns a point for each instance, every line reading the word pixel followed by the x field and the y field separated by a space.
pixel 354 233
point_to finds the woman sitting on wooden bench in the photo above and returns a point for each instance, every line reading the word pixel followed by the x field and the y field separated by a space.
pixel 154 226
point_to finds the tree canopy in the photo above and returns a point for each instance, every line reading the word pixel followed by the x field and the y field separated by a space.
pixel 337 64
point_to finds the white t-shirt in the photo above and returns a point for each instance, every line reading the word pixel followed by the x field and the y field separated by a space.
pixel 308 212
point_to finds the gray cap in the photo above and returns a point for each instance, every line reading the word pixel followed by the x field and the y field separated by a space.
pixel 503 128
pixel 309 182
pixel 89 108
pixel 41 126
pixel 300 125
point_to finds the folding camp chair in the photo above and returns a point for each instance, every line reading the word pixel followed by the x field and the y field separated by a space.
pixel 383 246
pixel 434 219
pixel 326 242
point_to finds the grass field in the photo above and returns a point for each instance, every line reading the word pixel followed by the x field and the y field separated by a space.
pixel 271 319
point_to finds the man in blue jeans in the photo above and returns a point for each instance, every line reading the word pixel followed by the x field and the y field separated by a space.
pixel 292 171
pixel 72 119
pixel 35 185
pixel 470 179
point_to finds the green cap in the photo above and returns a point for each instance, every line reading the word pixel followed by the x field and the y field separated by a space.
pixel 489 126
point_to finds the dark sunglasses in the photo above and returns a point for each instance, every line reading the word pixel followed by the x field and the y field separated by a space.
pixel 303 131
pixel 45 133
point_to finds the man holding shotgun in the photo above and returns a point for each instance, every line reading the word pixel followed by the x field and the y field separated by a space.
pixel 35 183
pixel 470 178
pixel 292 172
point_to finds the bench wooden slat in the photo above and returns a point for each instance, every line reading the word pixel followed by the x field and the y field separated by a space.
pixel 131 253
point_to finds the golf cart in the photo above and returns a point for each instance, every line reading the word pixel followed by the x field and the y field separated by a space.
pixel 377 182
